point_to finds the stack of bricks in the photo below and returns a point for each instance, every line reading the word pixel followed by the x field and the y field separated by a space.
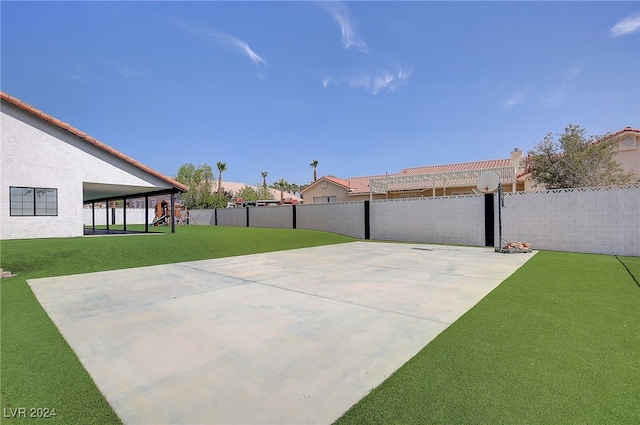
pixel 5 274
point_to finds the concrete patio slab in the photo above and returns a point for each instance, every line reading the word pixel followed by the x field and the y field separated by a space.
pixel 289 337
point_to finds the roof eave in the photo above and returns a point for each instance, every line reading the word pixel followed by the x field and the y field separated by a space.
pixel 91 140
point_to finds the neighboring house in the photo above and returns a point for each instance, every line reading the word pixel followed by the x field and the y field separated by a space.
pixel 451 179
pixel 329 189
pixel 50 169
pixel 627 155
pixel 628 151
pixel 438 180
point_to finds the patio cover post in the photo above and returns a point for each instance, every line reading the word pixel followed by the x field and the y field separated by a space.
pixel 93 215
pixel 146 213
pixel 124 213
pixel 173 211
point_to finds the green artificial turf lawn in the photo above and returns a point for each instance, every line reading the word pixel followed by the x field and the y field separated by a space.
pixel 38 368
pixel 558 342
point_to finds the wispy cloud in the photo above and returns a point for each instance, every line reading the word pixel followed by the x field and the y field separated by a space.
pixel 225 40
pixel 77 73
pixel 127 72
pixel 76 77
pixel 350 38
pixel 572 74
pixel 515 98
pixel 374 82
pixel 556 97
pixel 627 26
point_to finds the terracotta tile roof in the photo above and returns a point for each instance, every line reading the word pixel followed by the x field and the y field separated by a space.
pixel 335 180
pixel 355 185
pixel 527 172
pixel 360 185
pixel 464 166
pixel 84 136
pixel 618 133
pixel 339 182
pixel 624 130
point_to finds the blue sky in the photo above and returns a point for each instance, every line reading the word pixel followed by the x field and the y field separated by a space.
pixel 363 87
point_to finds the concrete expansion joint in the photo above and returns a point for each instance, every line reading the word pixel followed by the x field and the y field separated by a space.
pixel 352 303
pixel 209 272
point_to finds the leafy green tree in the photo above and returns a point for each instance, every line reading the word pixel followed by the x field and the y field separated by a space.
pixel 219 200
pixel 222 167
pixel 576 160
pixel 314 165
pixel 250 193
pixel 264 178
pixel 199 181
pixel 264 193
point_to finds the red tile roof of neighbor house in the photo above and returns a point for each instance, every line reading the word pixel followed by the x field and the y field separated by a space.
pixel 618 133
pixel 627 129
pixel 339 182
pixel 464 166
pixel 624 130
pixel 354 185
pixel 359 185
pixel 85 137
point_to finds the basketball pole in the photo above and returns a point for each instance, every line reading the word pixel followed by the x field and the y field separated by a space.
pixel 499 249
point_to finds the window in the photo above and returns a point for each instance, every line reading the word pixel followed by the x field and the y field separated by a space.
pixel 30 201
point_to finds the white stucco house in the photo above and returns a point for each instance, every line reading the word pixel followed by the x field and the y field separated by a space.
pixel 49 170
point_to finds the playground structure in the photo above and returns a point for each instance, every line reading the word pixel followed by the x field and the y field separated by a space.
pixel 163 214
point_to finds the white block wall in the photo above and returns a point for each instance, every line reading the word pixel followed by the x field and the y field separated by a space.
pixel 278 217
pixel 597 221
pixel 455 220
pixel 232 217
pixel 202 217
pixel 342 218
pixel 605 221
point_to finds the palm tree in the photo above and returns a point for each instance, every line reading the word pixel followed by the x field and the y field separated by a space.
pixel 264 179
pixel 222 167
pixel 314 165
pixel 281 184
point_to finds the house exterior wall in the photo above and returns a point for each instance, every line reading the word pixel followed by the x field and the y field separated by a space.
pixel 330 190
pixel 628 154
pixel 37 154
